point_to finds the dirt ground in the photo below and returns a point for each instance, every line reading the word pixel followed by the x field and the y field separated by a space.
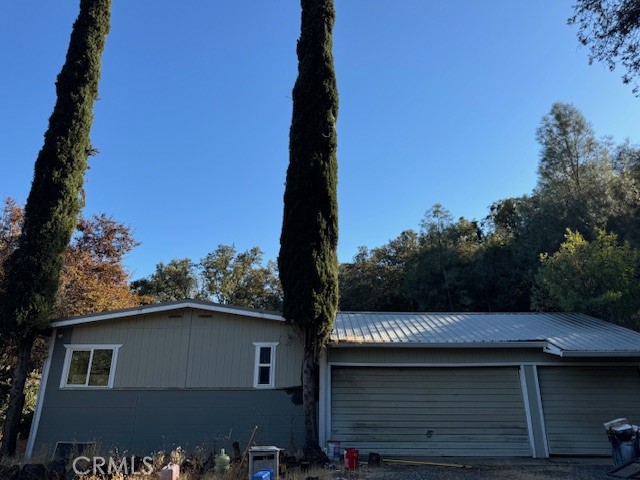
pixel 576 469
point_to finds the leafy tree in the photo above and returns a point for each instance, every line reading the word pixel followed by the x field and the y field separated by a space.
pixel 598 278
pixel 376 280
pixel 173 281
pixel 308 260
pixel 610 28
pixel 93 278
pixel 240 279
pixel 567 142
pixel 10 226
pixel 440 274
pixel 33 269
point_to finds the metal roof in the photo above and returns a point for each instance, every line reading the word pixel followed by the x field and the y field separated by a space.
pixel 564 334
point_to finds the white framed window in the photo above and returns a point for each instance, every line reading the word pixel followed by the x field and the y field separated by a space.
pixel 89 366
pixel 264 373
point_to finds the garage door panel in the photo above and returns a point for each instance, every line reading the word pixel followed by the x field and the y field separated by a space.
pixel 576 401
pixel 467 411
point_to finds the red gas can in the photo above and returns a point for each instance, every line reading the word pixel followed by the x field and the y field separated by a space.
pixel 351 458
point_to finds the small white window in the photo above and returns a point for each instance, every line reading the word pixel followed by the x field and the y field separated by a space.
pixel 89 366
pixel 265 365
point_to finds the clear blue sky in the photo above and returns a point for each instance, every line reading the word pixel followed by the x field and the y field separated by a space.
pixel 439 102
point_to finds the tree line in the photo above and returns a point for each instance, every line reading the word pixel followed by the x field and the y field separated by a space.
pixel 571 244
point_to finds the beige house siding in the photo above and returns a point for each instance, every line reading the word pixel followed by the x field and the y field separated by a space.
pixel 191 348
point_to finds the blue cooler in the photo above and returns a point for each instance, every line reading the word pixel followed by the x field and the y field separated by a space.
pixel 263 475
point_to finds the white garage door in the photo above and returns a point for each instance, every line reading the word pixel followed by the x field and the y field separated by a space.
pixel 429 411
pixel 576 401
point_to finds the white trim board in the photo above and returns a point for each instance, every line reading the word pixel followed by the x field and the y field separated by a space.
pixel 527 410
pixel 485 364
pixel 541 411
pixel 40 399
pixel 165 307
pixel 257 365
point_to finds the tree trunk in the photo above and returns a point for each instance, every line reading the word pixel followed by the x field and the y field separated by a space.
pixel 16 398
pixel 309 382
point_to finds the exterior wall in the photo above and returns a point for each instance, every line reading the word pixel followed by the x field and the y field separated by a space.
pixel 191 349
pixel 183 377
pixel 142 421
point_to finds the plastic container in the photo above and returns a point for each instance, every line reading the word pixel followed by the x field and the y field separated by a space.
pixel 170 472
pixel 351 458
pixel 623 451
pixel 263 475
pixel 333 450
pixel 222 462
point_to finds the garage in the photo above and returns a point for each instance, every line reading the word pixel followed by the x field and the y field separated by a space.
pixel 459 411
pixel 576 401
pixel 420 384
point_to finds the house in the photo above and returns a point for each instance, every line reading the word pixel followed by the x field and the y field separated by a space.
pixel 470 384
pixel 176 374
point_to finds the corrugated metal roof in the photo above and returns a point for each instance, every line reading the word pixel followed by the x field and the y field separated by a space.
pixel 563 333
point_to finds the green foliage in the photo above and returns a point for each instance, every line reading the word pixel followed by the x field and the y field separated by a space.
pixel 308 261
pixel 568 143
pixel 55 199
pixel 240 279
pixel 173 281
pixel 610 28
pixel 585 184
pixel 376 279
pixel 224 276
pixel 598 278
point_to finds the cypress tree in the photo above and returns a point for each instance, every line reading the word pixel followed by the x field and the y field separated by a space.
pixel 54 202
pixel 308 261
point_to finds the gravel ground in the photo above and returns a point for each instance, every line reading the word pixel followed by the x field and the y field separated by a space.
pixel 542 470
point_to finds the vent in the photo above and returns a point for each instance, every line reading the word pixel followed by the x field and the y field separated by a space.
pixel 206 316
pixel 175 316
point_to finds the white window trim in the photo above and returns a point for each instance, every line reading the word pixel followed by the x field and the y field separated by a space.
pixel 90 348
pixel 272 365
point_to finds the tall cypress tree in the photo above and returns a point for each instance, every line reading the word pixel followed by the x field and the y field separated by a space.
pixel 54 202
pixel 308 261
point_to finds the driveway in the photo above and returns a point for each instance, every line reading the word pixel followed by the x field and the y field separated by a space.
pixel 483 468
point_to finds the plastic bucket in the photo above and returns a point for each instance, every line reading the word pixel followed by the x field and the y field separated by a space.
pixel 333 450
pixel 351 458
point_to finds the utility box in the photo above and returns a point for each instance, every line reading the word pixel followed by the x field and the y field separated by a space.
pixel 264 458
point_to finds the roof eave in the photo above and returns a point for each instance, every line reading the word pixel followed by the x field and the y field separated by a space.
pixel 599 353
pixel 523 344
pixel 164 307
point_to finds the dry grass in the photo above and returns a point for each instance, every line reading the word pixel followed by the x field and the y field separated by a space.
pixel 232 474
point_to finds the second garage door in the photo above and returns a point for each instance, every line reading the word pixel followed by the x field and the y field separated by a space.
pixel 429 411
pixel 577 400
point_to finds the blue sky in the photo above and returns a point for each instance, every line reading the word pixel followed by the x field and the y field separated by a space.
pixel 439 102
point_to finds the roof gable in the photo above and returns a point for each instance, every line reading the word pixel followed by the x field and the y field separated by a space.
pixel 164 307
